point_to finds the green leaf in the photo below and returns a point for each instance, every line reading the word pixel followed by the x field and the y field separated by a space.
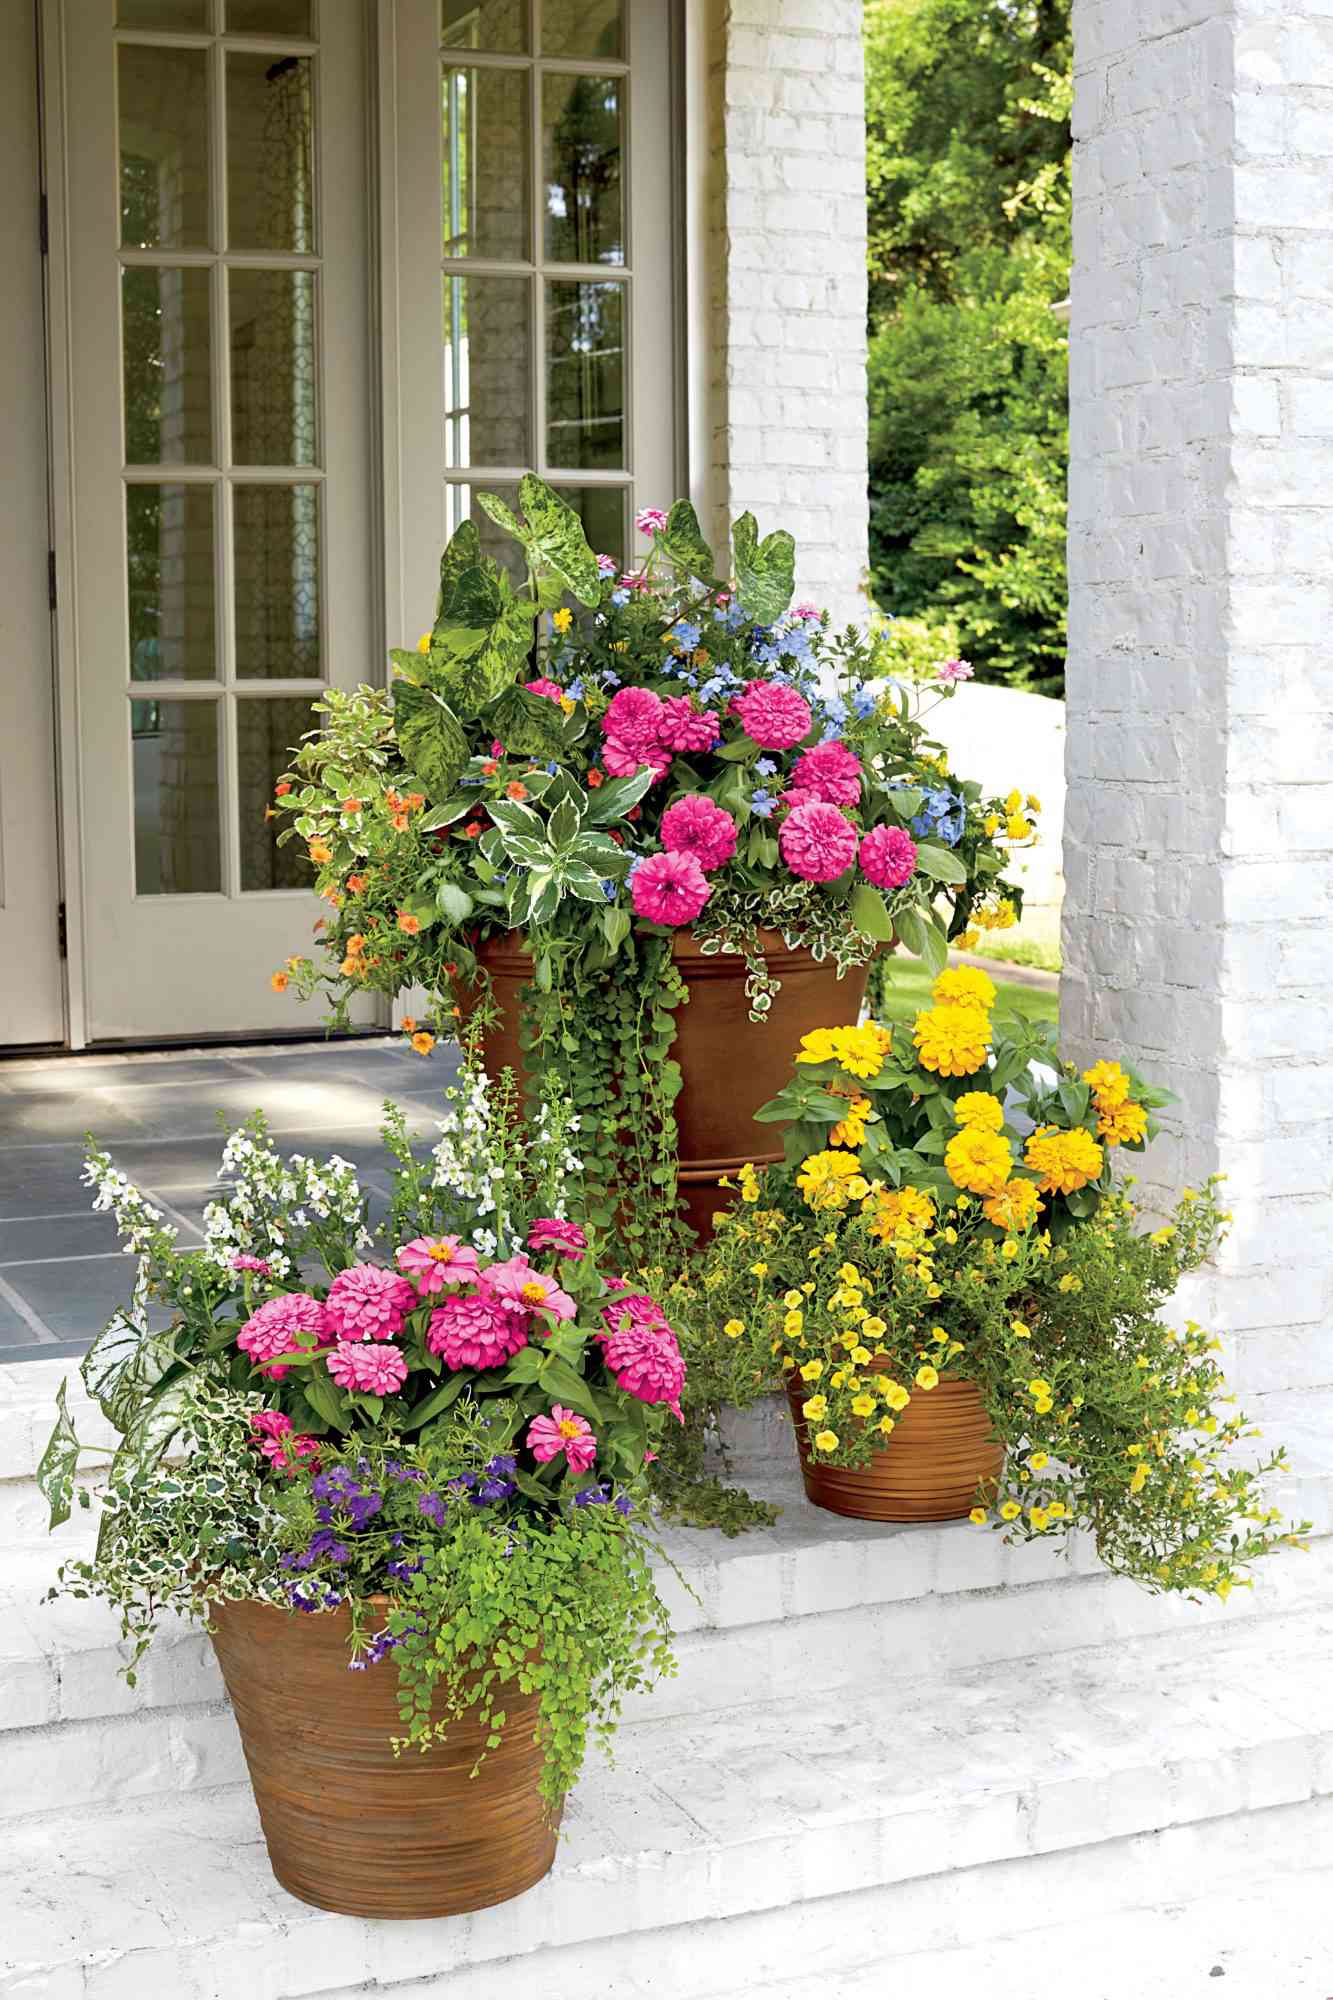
pixel 59 1462
pixel 463 552
pixel 431 1406
pixel 503 517
pixel 124 1366
pixel 323 1396
pixel 906 800
pixel 455 903
pixel 615 927
pixel 765 571
pixel 618 796
pixel 512 816
pixel 911 930
pixel 869 913
pixel 147 1440
pixel 566 822
pixel 583 882
pixel 564 1384
pixel 433 741
pixel 684 546
pixel 934 946
pixel 529 725
pixel 555 539
pixel 940 863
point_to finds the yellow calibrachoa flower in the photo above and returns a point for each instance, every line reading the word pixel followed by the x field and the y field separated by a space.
pixel 1066 1161
pixel 978 1160
pixel 825 1440
pixel 951 1040
pixel 863 1406
pixel 1039 1461
pixel 965 986
pixel 1010 1511
pixel 815 1409
pixel 1038 1517
pixel 1108 1083
pixel 905 1211
pixel 1122 1124
pixel 1014 1206
pixel 926 1377
pixel 895 1395
pixel 734 1328
pixel 979 1517
pixel 811 1371
pixel 824 1179
pixel 979 1110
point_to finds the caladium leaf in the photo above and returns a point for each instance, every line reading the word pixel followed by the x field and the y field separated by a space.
pixel 684 545
pixel 59 1462
pixel 431 738
pixel 555 540
pixel 765 571
pixel 529 725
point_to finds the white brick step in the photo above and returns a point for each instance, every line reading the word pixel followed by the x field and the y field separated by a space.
pixel 820 1802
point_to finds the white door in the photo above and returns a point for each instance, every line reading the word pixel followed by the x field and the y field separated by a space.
pixel 533 225
pixel 210 244
pixel 31 987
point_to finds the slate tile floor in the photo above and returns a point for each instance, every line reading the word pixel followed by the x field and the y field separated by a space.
pixel 61 1275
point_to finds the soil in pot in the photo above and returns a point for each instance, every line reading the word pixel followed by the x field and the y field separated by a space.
pixel 941 1452
pixel 349 1826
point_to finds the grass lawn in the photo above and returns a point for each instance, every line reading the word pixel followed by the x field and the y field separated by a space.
pixel 909 992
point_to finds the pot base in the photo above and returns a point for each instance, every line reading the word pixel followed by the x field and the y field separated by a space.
pixel 940 1458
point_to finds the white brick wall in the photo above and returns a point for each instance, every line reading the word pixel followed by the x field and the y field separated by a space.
pixel 1198 925
pixel 786 258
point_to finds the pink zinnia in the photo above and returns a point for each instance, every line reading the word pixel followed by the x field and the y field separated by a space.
pixel 685 727
pixel 954 670
pixel 641 1351
pixel 631 728
pixel 291 1324
pixel 797 795
pixel 367 1303
pixel 282 1450
pixel 669 889
pixel 432 1262
pixel 552 1232
pixel 772 715
pixel 888 857
pixel 650 521
pixel 805 610
pixel 376 1369
pixel 818 842
pixel 247 1263
pixel 520 1289
pixel 545 687
pixel 830 772
pixel 623 756
pixel 565 1432
pixel 607 565
pixel 472 1330
pixel 697 825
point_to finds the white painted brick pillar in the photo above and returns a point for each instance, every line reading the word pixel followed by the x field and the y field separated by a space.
pixel 780 320
pixel 1198 925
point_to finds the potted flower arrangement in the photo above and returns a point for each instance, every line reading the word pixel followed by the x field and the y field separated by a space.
pixel 614 791
pixel 953 1290
pixel 417 1456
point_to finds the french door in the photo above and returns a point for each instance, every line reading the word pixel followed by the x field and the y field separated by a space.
pixel 213 236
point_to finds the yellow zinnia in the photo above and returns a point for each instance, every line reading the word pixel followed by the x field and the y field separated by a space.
pixel 902 1212
pixel 978 1160
pixel 1066 1161
pixel 824 1179
pixel 979 1109
pixel 952 1040
pixel 965 986
pixel 1108 1083
pixel 1013 1206
pixel 1122 1124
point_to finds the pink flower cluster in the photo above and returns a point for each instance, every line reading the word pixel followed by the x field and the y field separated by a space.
pixel 831 772
pixel 563 1431
pixel 668 888
pixel 368 1303
pixel 640 728
pixel 484 1328
pixel 552 1232
pixel 376 1368
pixel 773 715
pixel 549 688
pixel 888 857
pixel 287 1325
pixel 818 842
pixel 432 1262
pixel 283 1447
pixel 641 1351
pixel 697 825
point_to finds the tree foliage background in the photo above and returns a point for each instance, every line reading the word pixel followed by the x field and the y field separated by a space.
pixel 968 173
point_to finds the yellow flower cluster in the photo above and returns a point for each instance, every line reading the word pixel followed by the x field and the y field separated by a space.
pixel 965 986
pixel 898 1212
pixel 1015 1206
pixel 851 1130
pixel 1120 1122
pixel 1063 1161
pixel 831 1180
pixel 978 1110
pixel 952 1040
pixel 860 1051
pixel 978 1160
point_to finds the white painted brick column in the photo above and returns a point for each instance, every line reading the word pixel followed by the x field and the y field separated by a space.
pixel 1198 923
pixel 784 374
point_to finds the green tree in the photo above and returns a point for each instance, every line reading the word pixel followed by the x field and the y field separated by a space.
pixel 968 178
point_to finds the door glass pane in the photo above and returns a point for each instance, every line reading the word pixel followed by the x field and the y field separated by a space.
pixel 169 565
pixel 460 504
pixel 487 364
pixel 272 367
pixel 498 25
pixel 270 172
pixel 166 362
pixel 582 28
pixel 485 193
pixel 182 16
pixel 276 541
pixel 269 17
pixel 177 846
pixel 602 512
pixel 585 375
pixel 581 152
pixel 163 117
pixel 267 732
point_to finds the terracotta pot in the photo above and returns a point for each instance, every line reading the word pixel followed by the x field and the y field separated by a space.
pixel 940 1453
pixel 349 1826
pixel 730 1065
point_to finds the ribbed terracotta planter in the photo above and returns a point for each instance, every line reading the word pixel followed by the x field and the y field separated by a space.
pixel 940 1453
pixel 730 1065
pixel 349 1826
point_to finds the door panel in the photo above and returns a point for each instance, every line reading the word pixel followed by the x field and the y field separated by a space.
pixel 31 986
pixel 219 300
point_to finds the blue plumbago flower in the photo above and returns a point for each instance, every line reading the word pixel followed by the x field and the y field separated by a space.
pixel 610 679
pixel 834 709
pixel 619 597
pixel 765 652
pixel 690 680
pixel 864 703
pixel 687 634
pixel 609 891
pixel 943 815
pixel 762 802
pixel 552 766
pixel 575 689
pixel 764 767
